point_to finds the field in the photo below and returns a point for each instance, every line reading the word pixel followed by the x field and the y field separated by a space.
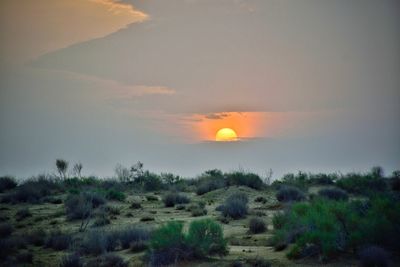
pixel 49 221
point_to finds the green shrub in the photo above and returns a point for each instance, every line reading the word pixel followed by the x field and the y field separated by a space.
pixel 248 179
pixel 81 206
pixel 169 244
pixel 113 194
pixel 58 240
pixel 107 260
pixel 364 184
pixel 206 238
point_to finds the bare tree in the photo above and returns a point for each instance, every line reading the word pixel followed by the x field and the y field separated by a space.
pixel 122 173
pixel 268 176
pixel 77 169
pixel 62 167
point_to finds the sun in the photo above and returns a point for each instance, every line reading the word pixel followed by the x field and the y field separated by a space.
pixel 226 134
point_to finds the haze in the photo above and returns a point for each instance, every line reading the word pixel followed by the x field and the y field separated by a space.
pixel 306 84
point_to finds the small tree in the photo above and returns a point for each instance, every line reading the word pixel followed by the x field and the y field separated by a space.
pixel 62 167
pixel 122 173
pixel 77 169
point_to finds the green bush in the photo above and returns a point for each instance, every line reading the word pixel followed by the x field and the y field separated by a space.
pixel 333 194
pixel 113 194
pixel 333 227
pixel 169 243
pixel 175 198
pixel 206 238
pixel 235 206
pixel 364 184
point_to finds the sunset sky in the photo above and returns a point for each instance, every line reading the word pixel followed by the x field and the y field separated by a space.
pixel 308 85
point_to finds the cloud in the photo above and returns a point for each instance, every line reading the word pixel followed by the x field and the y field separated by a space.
pixel 216 116
pixel 117 8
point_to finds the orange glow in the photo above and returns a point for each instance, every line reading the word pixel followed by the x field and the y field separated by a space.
pixel 245 124
pixel 226 135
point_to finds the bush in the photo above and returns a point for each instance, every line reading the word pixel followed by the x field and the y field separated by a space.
pixel 113 194
pixel 235 206
pixel 169 244
pixel 279 220
pixel 151 198
pixel 198 211
pixel 33 190
pixel 175 198
pixel 147 218
pixel 81 206
pixel 334 194
pixel 97 242
pixel 58 240
pixel 6 230
pixel 257 225
pixel 107 260
pixel 362 184
pixel 22 214
pixel 251 180
pixel 259 262
pixel 289 193
pixel 373 256
pixel 206 238
pixel 72 260
pixel 136 205
pixel 137 246
pixel 131 235
pixel 7 183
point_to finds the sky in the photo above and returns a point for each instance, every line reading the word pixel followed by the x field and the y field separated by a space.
pixel 306 85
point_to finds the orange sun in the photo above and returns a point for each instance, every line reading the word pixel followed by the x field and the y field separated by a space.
pixel 226 134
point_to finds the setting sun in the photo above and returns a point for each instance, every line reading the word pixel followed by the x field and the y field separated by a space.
pixel 226 134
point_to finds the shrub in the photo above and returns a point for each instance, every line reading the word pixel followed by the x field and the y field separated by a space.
pixel 137 246
pixel 81 206
pixel 180 207
pixel 258 262
pixel 71 260
pixel 22 214
pixel 175 198
pixel 198 211
pixel 206 238
pixel 334 194
pixel 7 183
pixel 107 260
pixel 33 190
pixel 113 194
pixel 373 256
pixel 289 193
pixel 136 205
pixel 235 206
pixel 6 230
pixel 251 180
pixel 167 245
pixel 151 198
pixel 147 218
pixel 97 242
pixel 279 220
pixel 151 181
pixel 257 225
pixel 58 240
pixel 362 184
pixel 131 235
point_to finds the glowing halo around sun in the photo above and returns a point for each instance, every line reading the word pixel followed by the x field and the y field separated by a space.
pixel 226 135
